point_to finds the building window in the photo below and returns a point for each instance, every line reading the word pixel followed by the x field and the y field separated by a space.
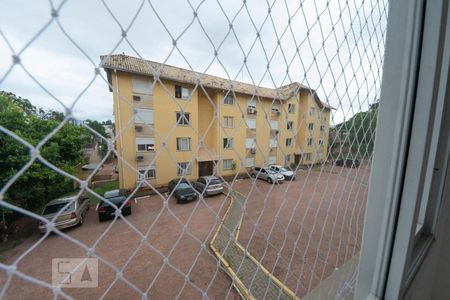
pixel 228 122
pixel 183 118
pixel 273 143
pixel 274 125
pixel 251 103
pixel 288 142
pixel 319 155
pixel 324 115
pixel 310 126
pixel 290 125
pixel 249 162
pixel 227 164
pixel 136 98
pixel 228 143
pixel 181 92
pixel 320 142
pixel 249 143
pixel 291 108
pixel 251 123
pixel 310 141
pixel 145 145
pixel 322 127
pixel 307 156
pixel 183 144
pixel 229 99
pixel 142 85
pixel 272 160
pixel 184 168
pixel 151 173
pixel 287 159
pixel 143 116
pixel 311 111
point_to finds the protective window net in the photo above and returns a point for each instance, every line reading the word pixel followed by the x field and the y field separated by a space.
pixel 188 149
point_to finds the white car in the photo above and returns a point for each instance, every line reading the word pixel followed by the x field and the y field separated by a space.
pixel 267 174
pixel 288 175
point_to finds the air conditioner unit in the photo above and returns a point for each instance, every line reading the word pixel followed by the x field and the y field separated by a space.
pixel 253 151
pixel 251 110
pixel 139 157
pixel 276 111
pixel 138 128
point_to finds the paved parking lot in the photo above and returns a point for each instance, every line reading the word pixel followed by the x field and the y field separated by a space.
pixel 315 224
pixel 121 241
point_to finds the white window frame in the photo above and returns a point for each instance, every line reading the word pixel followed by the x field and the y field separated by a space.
pixel 272 160
pixel 251 123
pixel 249 162
pixel 184 168
pixel 412 139
pixel 274 124
pixel 147 142
pixel 308 156
pixel 227 143
pixel 287 158
pixel 309 141
pixel 311 111
pixel 225 165
pixel 310 126
pixel 151 174
pixel 250 143
pixel 180 121
pixel 142 115
pixel 227 97
pixel 184 144
pixel 291 127
pixel 273 143
pixel 228 121
pixel 288 142
pixel 291 108
pixel 141 85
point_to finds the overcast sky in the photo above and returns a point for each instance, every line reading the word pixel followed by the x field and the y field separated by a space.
pixel 347 79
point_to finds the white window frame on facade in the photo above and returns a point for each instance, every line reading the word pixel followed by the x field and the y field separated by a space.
pixel 287 158
pixel 228 121
pixel 291 108
pixel 311 111
pixel 227 143
pixel 184 168
pixel 249 162
pixel 250 143
pixel 308 156
pixel 310 126
pixel 309 141
pixel 288 142
pixel 251 102
pixel 227 164
pixel 184 120
pixel 272 160
pixel 142 85
pixel 320 142
pixel 290 125
pixel 251 123
pixel 322 128
pixel 151 173
pixel 183 144
pixel 227 97
pixel 274 124
pixel 184 92
pixel 149 144
pixel 411 158
pixel 273 143
pixel 143 116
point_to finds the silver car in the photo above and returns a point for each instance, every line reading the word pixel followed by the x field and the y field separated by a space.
pixel 288 174
pixel 208 185
pixel 267 174
pixel 72 215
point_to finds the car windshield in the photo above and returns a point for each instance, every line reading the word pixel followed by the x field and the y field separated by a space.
pixel 54 208
pixel 117 201
pixel 214 181
pixel 183 186
pixel 111 194
pixel 283 169
pixel 271 171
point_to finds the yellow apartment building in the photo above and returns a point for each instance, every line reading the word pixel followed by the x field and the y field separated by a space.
pixel 169 123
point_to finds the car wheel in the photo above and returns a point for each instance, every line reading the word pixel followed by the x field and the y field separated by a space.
pixel 269 180
pixel 81 221
pixel 253 175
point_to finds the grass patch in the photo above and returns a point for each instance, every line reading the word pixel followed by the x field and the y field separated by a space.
pixel 107 186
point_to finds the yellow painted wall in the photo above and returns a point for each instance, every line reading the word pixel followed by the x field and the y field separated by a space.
pixel 165 106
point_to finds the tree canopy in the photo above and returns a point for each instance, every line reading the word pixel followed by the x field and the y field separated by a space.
pixel 39 183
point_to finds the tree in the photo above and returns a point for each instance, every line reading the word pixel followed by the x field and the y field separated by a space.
pixel 100 129
pixel 39 183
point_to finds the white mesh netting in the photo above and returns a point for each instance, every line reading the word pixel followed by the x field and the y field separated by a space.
pixel 197 88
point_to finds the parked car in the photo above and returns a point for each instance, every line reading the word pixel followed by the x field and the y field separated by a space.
pixel 267 174
pixel 349 163
pixel 182 191
pixel 106 211
pixel 208 185
pixel 288 174
pixel 71 216
pixel 112 194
